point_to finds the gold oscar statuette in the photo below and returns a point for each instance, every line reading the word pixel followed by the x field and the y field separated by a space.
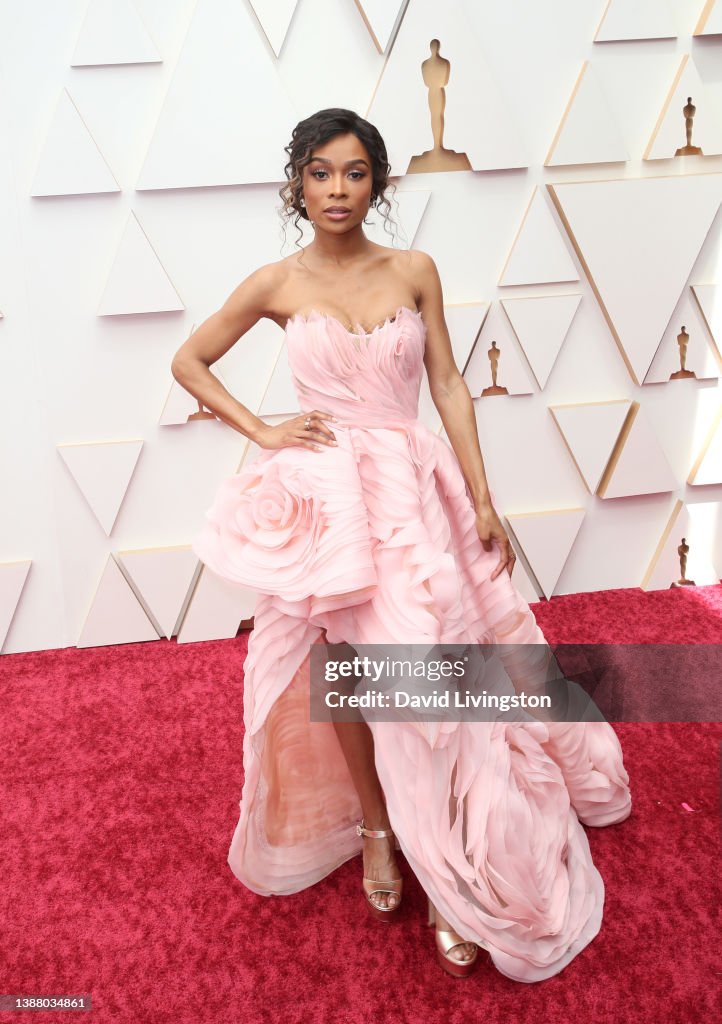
pixel 682 342
pixel 689 111
pixel 435 71
pixel 494 353
pixel 682 551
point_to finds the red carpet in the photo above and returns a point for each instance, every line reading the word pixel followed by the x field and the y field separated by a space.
pixel 121 774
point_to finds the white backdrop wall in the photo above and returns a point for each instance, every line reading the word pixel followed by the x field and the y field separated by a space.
pixel 140 160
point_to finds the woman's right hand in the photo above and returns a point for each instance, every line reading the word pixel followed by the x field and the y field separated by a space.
pixel 293 432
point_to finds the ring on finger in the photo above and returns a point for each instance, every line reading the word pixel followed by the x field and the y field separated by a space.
pixel 307 423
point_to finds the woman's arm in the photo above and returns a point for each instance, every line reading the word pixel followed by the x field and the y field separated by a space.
pixel 453 400
pixel 215 336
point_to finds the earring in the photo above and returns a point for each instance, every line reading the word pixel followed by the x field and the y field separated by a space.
pixel 302 201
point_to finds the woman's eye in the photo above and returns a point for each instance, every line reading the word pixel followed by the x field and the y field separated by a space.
pixel 359 174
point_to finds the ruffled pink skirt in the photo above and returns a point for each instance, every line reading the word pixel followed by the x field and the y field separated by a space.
pixel 376 543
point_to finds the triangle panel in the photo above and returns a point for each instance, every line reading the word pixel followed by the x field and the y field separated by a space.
pixel 102 470
pixel 71 163
pixel 497 344
pixel 590 431
pixel 588 132
pixel 541 324
pixel 12 581
pixel 697 528
pixel 242 141
pixel 115 615
pixel 615 225
pixel 546 539
pixel 161 579
pixel 686 340
pixel 113 33
pixel 538 254
pixel 638 466
pixel 670 134
pixel 636 19
pixel 138 283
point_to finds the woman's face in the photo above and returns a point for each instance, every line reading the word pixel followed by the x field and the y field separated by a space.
pixel 338 176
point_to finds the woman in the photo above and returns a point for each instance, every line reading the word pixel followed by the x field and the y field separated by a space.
pixel 357 525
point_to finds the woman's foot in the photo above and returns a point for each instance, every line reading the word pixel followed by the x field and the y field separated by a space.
pixel 456 956
pixel 379 865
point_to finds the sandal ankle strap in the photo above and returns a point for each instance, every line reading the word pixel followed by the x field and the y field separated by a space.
pixel 373 833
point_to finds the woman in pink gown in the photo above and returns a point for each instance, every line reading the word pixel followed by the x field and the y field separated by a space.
pixel 358 525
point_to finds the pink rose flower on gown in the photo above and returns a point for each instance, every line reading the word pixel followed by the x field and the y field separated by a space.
pixel 269 525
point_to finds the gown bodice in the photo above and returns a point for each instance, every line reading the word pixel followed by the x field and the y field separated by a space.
pixel 364 379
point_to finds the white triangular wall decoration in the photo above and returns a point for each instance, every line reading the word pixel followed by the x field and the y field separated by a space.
pixel 546 538
pixel 161 579
pixel 617 227
pixel 216 609
pixel 189 149
pixel 709 299
pixel 102 470
pixel 512 373
pixel 669 133
pixel 113 33
pixel 274 17
pixel 702 357
pixel 697 527
pixel 541 323
pixel 590 431
pixel 636 19
pixel 707 467
pixel 538 254
pixel 588 132
pixel 638 465
pixel 138 283
pixel 115 616
pixel 710 19
pixel 71 163
pixel 12 581
pixel 382 18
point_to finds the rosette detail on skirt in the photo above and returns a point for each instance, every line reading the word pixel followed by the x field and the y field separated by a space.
pixel 289 527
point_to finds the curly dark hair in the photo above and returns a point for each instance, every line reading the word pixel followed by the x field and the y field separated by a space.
pixel 316 130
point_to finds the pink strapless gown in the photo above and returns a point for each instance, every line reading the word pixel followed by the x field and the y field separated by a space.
pixel 375 542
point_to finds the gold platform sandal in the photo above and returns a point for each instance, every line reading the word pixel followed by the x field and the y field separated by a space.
pixel 372 885
pixel 446 939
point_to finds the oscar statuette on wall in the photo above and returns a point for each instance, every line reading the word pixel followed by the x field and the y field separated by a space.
pixel 689 110
pixel 435 71
pixel 683 551
pixel 494 355
pixel 682 342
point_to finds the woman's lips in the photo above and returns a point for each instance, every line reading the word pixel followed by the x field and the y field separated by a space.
pixel 337 214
